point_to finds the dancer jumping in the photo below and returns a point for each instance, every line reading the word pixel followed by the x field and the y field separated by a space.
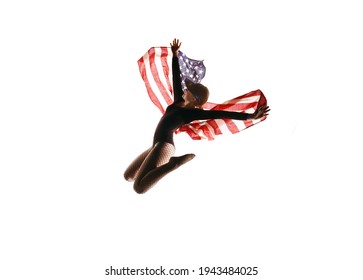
pixel 159 160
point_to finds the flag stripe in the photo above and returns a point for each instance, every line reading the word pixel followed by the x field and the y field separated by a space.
pixel 148 85
pixel 165 66
pixel 155 73
pixel 231 125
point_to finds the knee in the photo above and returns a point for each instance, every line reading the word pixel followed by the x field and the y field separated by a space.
pixel 128 177
pixel 139 189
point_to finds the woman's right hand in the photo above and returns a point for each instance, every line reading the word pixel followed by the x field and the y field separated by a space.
pixel 175 45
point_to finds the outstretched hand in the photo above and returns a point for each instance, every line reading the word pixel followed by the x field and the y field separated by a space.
pixel 261 111
pixel 175 45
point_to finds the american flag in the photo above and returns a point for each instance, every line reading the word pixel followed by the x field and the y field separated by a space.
pixel 156 72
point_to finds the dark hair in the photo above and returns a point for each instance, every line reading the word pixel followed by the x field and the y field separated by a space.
pixel 199 91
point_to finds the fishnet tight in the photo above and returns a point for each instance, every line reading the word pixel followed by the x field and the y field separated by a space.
pixel 152 165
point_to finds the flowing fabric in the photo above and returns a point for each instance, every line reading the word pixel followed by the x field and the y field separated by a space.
pixel 155 70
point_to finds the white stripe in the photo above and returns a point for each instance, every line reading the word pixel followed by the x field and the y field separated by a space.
pixel 160 69
pixel 152 83
pixel 240 124
pixel 250 111
pixel 222 126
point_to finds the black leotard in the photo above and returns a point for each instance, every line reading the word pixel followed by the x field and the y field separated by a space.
pixel 175 116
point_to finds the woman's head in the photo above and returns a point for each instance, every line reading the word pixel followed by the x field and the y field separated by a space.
pixel 198 91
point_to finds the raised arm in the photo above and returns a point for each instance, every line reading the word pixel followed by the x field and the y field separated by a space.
pixel 177 87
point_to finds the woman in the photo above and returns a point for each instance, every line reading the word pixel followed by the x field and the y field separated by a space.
pixel 153 164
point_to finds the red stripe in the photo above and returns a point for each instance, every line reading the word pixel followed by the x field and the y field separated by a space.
pixel 209 105
pixel 193 135
pixel 231 126
pixel 190 132
pixel 215 127
pixel 263 100
pixel 206 131
pixel 240 107
pixel 149 90
pixel 155 74
pixel 248 123
pixel 164 62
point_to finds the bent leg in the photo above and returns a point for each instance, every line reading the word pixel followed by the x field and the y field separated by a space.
pixel 131 172
pixel 158 163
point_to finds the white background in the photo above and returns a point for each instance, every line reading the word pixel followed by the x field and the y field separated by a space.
pixel 283 195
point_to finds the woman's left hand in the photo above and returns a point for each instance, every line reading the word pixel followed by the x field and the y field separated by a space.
pixel 175 46
pixel 261 111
